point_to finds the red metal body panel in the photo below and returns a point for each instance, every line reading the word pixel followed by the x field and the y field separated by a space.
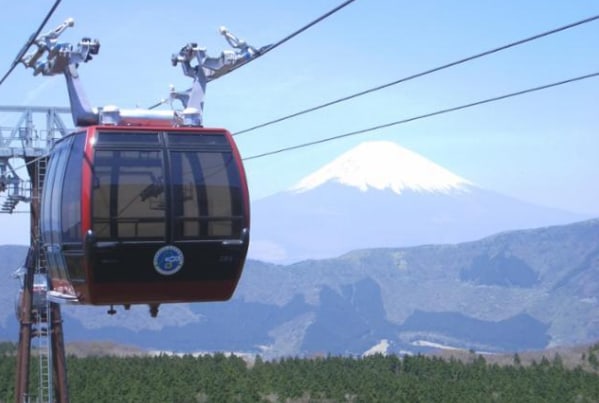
pixel 145 293
pixel 86 181
pixel 82 289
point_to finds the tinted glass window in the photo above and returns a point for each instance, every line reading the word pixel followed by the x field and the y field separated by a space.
pixel 48 186
pixel 51 208
pixel 128 138
pixel 196 139
pixel 71 193
pixel 207 200
pixel 136 196
pixel 128 195
pixel 61 155
pixel 45 226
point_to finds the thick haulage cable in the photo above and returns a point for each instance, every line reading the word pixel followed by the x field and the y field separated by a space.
pixel 424 73
pixel 426 115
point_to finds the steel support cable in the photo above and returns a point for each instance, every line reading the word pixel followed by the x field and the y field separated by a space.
pixel 25 165
pixel 304 28
pixel 421 74
pixel 282 41
pixel 29 42
pixel 426 115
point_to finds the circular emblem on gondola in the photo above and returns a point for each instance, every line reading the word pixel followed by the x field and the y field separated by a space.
pixel 168 260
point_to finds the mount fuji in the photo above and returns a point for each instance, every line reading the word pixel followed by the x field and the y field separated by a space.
pixel 380 194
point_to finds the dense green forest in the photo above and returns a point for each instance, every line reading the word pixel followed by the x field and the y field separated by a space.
pixel 378 378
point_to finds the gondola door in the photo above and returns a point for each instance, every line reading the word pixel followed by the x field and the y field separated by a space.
pixel 129 205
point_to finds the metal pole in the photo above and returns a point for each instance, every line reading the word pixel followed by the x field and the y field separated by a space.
pixel 23 359
pixel 24 353
pixel 55 325
pixel 58 355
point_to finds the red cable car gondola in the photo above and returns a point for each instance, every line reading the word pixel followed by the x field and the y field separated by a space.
pixel 143 206
pixel 136 215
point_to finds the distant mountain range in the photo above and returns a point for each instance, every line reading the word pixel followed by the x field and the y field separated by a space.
pixel 380 194
pixel 515 291
pixel 518 290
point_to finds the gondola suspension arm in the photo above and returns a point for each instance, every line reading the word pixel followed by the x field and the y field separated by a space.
pixel 209 68
pixel 65 58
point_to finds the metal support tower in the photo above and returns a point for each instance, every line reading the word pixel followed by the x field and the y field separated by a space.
pixel 26 144
pixel 34 131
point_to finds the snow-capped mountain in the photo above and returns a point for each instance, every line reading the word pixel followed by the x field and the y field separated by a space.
pixel 380 194
pixel 384 165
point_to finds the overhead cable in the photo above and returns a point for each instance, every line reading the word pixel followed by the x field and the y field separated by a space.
pixel 307 26
pixel 27 163
pixel 424 73
pixel 424 116
pixel 282 41
pixel 30 42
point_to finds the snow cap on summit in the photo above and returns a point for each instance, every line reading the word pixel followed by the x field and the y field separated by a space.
pixel 384 165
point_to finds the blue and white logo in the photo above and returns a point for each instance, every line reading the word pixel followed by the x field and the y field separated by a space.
pixel 168 260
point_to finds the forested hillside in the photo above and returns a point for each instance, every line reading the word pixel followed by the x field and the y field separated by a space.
pixel 376 378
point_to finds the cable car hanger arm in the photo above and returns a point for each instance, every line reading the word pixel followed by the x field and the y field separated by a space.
pixel 65 58
pixel 210 68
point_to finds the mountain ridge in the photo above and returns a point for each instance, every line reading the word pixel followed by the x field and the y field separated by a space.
pixel 413 298
pixel 333 219
pixel 380 194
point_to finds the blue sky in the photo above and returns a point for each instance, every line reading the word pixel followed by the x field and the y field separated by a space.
pixel 539 147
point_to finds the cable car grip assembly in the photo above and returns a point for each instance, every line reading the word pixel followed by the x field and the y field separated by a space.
pixel 65 58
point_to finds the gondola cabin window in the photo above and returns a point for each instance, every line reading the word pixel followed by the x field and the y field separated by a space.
pixel 71 203
pixel 207 200
pixel 204 196
pixel 128 193
pixel 142 180
pixel 52 210
pixel 72 236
